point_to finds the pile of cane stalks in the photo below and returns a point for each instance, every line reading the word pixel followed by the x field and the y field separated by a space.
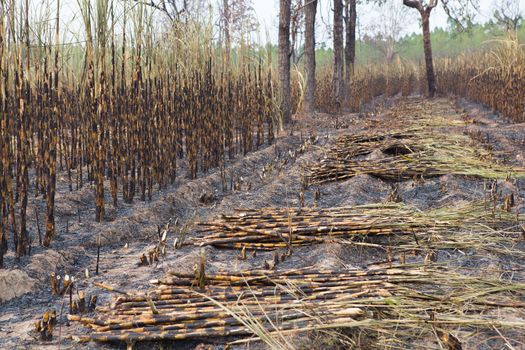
pixel 275 228
pixel 266 305
pixel 407 154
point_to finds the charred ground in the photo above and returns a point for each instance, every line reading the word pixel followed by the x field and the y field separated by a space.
pixel 270 177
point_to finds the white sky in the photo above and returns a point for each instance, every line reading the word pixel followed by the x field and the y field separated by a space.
pixel 268 14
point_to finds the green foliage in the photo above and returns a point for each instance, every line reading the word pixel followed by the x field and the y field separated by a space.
pixel 445 43
pixel 448 43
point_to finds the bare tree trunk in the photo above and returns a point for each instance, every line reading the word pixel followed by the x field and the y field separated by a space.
pixel 337 79
pixel 295 14
pixel 427 47
pixel 4 212
pixel 309 52
pixel 284 58
pixel 350 23
pixel 424 11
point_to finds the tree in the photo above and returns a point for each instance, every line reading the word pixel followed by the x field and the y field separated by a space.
pixel 459 11
pixel 243 20
pixel 508 14
pixel 297 22
pixel 350 23
pixel 309 54
pixel 284 58
pixel 424 10
pixel 338 85
pixel 175 10
pixel 350 20
pixel 387 29
pixel 237 20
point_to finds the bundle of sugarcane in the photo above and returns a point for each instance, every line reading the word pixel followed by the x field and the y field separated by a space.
pixel 424 113
pixel 258 302
pixel 177 309
pixel 416 150
pixel 457 160
pixel 271 228
pixel 341 152
pixel 402 142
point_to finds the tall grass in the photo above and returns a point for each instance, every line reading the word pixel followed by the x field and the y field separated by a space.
pixel 495 78
pixel 369 82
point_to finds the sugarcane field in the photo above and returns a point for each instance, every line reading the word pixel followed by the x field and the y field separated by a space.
pixel 254 174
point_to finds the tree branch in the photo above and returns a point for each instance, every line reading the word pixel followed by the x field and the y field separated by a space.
pixel 432 4
pixel 460 14
pixel 413 3
pixel 162 8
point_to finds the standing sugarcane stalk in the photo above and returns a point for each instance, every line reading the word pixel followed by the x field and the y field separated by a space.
pixel 124 114
pixel 52 145
pixel 22 142
pixel 4 174
pixel 113 158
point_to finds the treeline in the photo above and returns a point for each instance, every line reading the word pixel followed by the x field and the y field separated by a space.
pixel 446 43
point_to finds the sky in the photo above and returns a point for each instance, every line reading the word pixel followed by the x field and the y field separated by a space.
pixel 267 12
